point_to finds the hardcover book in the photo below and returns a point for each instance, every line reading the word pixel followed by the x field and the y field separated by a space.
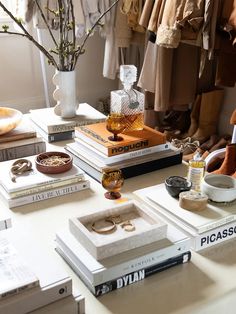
pixel 47 120
pixel 34 179
pixel 131 168
pixel 211 226
pixel 128 279
pixel 55 284
pixel 22 148
pixel 89 150
pixel 43 195
pixel 15 275
pixel 22 131
pixel 97 272
pixel 97 136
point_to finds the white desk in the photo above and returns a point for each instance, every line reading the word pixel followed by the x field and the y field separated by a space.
pixel 205 285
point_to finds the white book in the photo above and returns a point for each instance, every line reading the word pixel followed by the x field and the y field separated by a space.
pixel 44 195
pixel 216 224
pixel 33 178
pixel 128 279
pixel 55 284
pixel 110 268
pixel 46 119
pixel 5 222
pixel 93 152
pixel 15 275
pixel 100 165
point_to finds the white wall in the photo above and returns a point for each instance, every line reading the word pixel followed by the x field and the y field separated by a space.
pixel 21 83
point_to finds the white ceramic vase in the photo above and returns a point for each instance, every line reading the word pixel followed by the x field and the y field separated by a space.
pixel 65 93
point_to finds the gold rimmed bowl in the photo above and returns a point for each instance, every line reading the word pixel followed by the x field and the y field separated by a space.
pixel 9 119
pixel 53 162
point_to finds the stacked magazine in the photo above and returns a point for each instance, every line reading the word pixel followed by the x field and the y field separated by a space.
pixel 34 186
pixel 139 152
pixel 213 225
pixel 30 277
pixel 120 259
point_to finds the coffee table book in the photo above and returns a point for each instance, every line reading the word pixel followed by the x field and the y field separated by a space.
pixel 54 282
pixel 34 181
pixel 22 131
pixel 89 151
pixel 22 148
pixel 130 168
pixel 15 275
pixel 5 221
pixel 128 279
pixel 98 136
pixel 215 224
pixel 176 242
pixel 47 120
pixel 65 189
pixel 148 228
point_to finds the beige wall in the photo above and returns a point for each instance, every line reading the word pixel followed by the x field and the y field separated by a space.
pixel 21 83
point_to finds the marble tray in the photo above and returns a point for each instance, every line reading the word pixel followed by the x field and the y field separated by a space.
pixel 148 228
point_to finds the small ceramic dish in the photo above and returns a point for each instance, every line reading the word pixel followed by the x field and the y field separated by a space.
pixel 53 162
pixel 9 119
pixel 219 187
pixel 176 184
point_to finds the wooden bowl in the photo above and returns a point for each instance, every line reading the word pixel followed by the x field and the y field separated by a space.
pixel 9 119
pixel 53 162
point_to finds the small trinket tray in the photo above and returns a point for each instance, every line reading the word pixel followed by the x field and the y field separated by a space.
pixel 117 229
pixel 58 162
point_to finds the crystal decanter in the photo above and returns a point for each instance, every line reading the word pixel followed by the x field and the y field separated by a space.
pixel 129 101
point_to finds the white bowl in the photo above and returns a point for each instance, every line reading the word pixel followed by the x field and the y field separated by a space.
pixel 219 187
pixel 9 119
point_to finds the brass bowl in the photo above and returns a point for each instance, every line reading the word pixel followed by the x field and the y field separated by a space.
pixel 53 162
pixel 9 119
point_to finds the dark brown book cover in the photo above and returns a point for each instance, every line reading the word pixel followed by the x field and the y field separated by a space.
pixel 97 135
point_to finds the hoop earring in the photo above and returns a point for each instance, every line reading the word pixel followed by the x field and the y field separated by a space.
pixel 105 230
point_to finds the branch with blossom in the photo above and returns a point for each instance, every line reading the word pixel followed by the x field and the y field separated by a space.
pixel 66 52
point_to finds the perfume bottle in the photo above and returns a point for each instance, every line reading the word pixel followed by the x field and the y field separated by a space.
pixel 129 101
pixel 196 171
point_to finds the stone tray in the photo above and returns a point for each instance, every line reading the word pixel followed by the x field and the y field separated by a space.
pixel 148 228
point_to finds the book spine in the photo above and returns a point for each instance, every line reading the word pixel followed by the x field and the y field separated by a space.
pixel 58 128
pixel 18 290
pixel 37 197
pixel 134 264
pixel 22 151
pixel 215 236
pixel 28 302
pixel 41 188
pixel 63 136
pixel 139 275
pixel 5 223
pixel 117 158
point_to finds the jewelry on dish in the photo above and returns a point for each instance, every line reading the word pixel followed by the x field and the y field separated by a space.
pixel 116 219
pixel 128 226
pixel 107 229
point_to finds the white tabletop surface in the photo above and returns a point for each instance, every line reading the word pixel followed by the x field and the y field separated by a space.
pixel 206 285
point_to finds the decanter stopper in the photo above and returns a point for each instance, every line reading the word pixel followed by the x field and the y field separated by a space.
pixel 128 75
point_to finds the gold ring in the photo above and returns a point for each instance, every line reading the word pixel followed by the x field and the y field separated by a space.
pixel 104 230
pixel 128 226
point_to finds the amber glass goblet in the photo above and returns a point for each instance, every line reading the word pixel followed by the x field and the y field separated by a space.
pixel 112 181
pixel 115 123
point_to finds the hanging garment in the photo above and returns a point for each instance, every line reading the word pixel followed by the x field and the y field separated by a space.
pixel 180 20
pixel 132 9
pixel 146 13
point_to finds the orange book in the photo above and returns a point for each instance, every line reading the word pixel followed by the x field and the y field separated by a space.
pixel 97 135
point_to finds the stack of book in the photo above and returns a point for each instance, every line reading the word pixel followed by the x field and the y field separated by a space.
pixel 27 286
pixel 213 225
pixel 20 142
pixel 34 186
pixel 139 152
pixel 53 128
pixel 115 271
